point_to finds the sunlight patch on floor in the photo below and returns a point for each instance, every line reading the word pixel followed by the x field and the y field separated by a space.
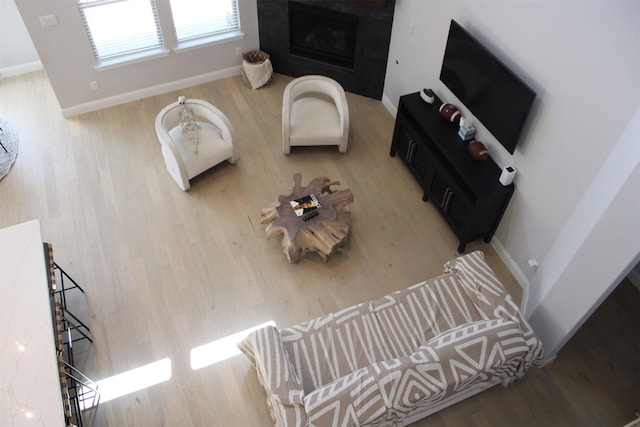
pixel 136 379
pixel 221 349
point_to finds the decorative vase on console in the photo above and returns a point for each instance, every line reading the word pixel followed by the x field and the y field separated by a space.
pixel 427 96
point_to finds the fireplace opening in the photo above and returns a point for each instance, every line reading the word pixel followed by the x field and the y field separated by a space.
pixel 323 35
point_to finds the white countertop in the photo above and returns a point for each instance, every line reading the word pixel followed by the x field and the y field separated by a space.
pixel 29 384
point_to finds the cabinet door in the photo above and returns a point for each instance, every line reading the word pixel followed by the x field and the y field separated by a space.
pixel 409 145
pixel 403 141
pixel 451 201
pixel 420 162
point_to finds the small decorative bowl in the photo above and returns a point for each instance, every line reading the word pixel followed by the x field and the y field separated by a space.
pixel 427 96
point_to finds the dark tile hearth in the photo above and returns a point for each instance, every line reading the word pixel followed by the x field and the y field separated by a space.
pixel 346 40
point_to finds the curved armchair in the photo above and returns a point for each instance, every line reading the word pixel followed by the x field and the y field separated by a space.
pixel 314 112
pixel 184 159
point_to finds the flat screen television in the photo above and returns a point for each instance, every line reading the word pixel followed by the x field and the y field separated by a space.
pixel 498 98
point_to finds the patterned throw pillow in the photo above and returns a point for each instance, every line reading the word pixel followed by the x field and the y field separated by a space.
pixel 470 356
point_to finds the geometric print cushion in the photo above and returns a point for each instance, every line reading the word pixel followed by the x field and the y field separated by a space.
pixel 410 317
pixel 325 349
pixel 479 350
pixel 386 392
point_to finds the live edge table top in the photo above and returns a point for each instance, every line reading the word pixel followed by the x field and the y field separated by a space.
pixel 324 233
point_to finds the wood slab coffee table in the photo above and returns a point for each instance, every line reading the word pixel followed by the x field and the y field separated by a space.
pixel 325 233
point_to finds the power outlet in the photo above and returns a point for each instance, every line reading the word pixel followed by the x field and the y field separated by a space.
pixel 94 85
pixel 238 51
pixel 48 21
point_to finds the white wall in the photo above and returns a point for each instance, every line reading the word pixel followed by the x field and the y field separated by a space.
pixel 583 60
pixel 67 57
pixel 596 248
pixel 17 53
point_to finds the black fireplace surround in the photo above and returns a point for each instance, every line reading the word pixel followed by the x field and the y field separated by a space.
pixel 346 40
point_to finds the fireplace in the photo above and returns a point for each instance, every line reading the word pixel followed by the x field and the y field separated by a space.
pixel 347 40
pixel 322 34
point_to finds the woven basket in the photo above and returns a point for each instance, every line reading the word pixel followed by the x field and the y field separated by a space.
pixel 257 70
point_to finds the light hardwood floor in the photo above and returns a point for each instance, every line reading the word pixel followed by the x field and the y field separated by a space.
pixel 166 271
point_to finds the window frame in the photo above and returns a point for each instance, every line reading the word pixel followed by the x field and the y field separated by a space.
pixel 165 24
pixel 210 23
pixel 136 51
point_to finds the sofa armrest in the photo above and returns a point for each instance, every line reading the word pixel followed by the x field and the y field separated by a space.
pixel 268 356
pixel 492 300
pixel 465 358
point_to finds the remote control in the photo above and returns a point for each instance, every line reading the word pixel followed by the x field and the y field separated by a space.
pixel 309 215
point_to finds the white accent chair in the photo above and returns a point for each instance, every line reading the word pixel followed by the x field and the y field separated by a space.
pixel 215 140
pixel 314 112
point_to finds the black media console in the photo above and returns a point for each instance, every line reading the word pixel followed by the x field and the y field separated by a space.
pixel 465 191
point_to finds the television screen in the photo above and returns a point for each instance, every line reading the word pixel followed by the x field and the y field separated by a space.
pixel 494 94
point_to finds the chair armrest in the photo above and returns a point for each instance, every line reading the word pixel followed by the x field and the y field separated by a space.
pixel 287 100
pixel 166 119
pixel 208 112
pixel 340 99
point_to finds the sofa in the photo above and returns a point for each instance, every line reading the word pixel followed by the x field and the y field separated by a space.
pixel 397 359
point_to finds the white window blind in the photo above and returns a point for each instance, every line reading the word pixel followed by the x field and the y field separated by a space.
pixel 119 27
pixel 201 18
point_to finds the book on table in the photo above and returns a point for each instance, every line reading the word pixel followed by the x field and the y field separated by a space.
pixel 305 204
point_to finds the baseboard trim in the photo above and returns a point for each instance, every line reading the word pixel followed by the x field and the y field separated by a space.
pixel 634 276
pixel 17 70
pixel 147 92
pixel 391 108
pixel 548 360
pixel 514 268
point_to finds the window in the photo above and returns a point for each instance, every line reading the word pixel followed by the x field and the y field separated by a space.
pixel 125 30
pixel 119 27
pixel 200 18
